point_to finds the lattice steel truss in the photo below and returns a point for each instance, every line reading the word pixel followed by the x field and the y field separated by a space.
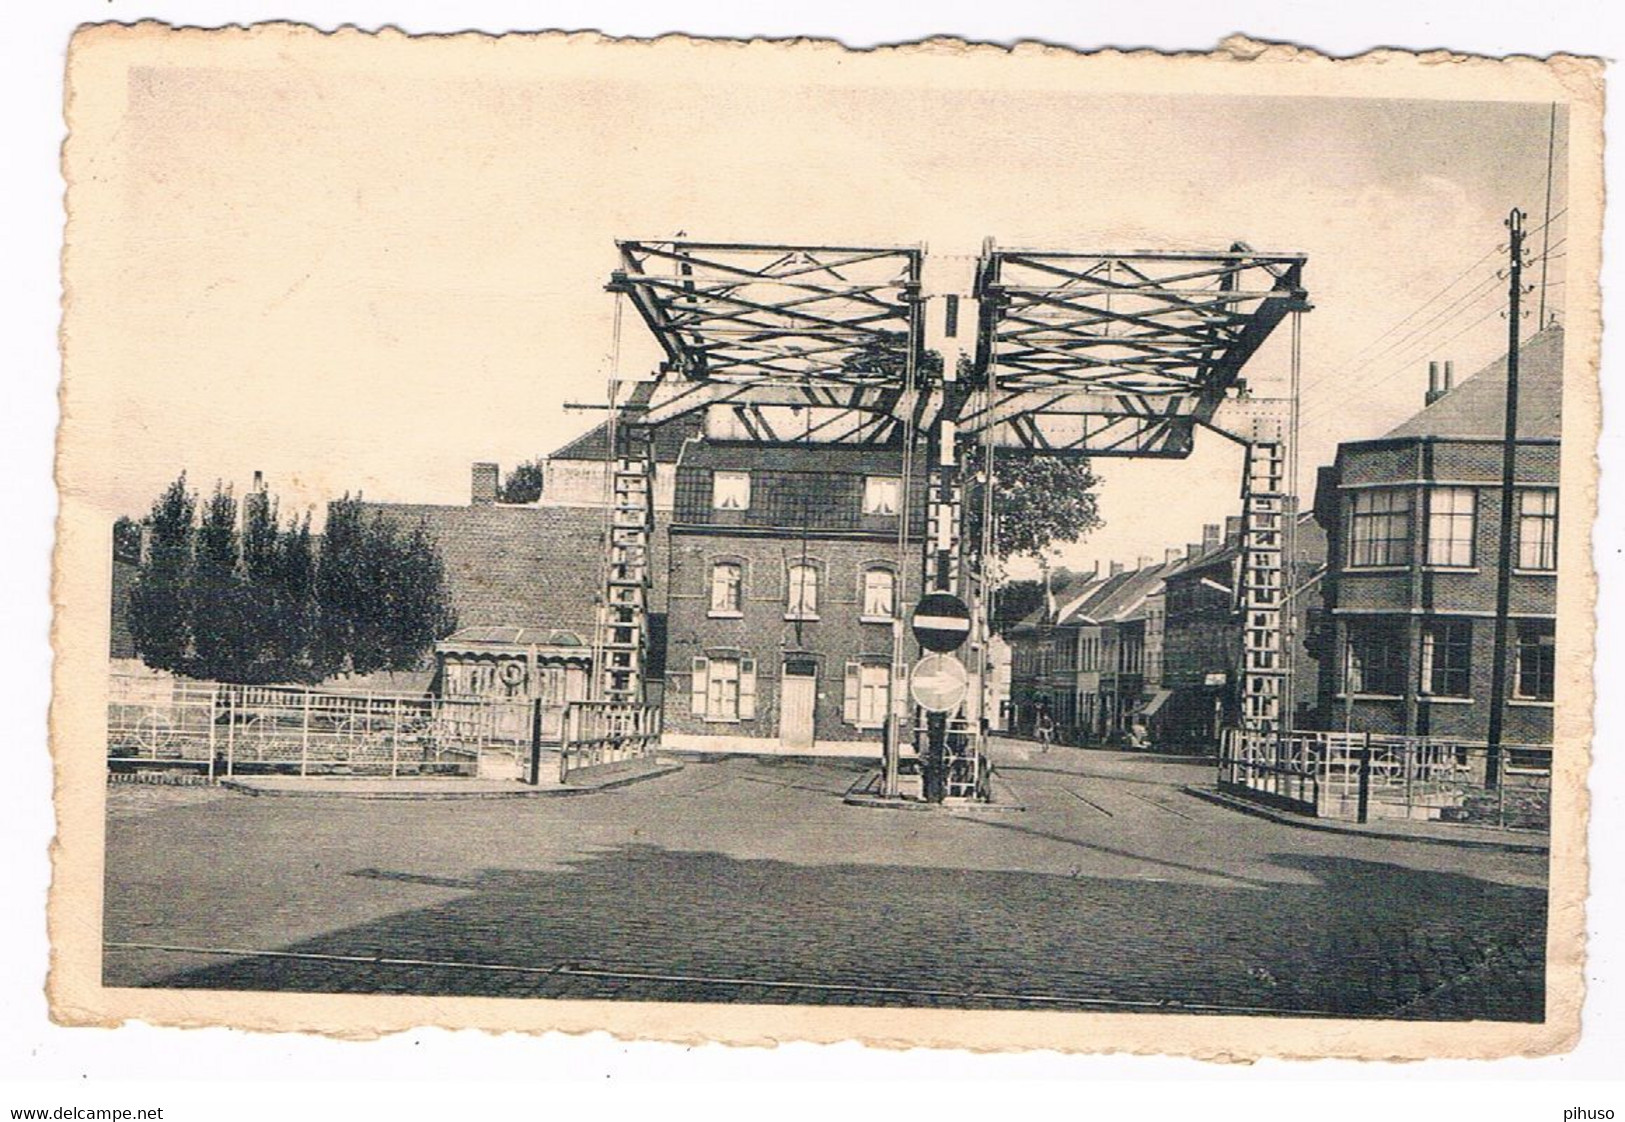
pixel 1083 354
pixel 1119 354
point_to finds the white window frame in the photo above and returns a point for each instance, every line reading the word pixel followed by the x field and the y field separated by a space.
pixel 1380 515
pixel 1452 527
pixel 1545 523
pixel 867 697
pixel 882 495
pixel 737 608
pixel 723 690
pixel 730 490
pixel 796 600
pixel 890 612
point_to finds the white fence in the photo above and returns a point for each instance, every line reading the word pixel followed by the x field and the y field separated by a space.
pixel 604 732
pixel 1360 776
pixel 225 729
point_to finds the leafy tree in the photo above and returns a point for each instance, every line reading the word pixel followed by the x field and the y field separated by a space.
pixel 1040 502
pixel 523 485
pixel 222 620
pixel 257 604
pixel 380 593
pixel 160 615
pixel 293 577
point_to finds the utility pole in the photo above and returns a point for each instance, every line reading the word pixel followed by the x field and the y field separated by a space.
pixel 1509 465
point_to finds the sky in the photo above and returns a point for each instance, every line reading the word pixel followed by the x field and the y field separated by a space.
pixel 365 280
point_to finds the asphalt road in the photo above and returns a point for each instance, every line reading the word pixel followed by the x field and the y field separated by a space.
pixel 743 879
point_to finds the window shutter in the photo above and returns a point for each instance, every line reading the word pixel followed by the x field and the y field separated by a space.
pixel 697 688
pixel 747 689
pixel 850 700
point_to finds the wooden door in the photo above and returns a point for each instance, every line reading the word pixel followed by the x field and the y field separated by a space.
pixel 798 692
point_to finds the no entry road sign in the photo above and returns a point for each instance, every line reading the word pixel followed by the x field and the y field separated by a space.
pixel 941 622
pixel 938 683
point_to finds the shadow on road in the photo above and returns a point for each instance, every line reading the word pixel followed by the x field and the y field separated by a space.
pixel 1364 939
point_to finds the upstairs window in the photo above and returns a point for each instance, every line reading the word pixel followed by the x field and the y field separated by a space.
pixel 1379 528
pixel 1537 530
pixel 881 494
pixel 1536 676
pixel 1447 658
pixel 879 594
pixel 727 582
pixel 730 490
pixel 1452 519
pixel 802 599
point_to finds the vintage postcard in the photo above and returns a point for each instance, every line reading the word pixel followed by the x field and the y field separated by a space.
pixel 755 541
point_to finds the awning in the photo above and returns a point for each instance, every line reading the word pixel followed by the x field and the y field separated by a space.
pixel 1158 700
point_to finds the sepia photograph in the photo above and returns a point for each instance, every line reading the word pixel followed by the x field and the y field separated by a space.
pixel 678 536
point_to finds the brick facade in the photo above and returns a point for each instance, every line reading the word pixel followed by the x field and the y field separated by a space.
pixel 805 508
pixel 1408 641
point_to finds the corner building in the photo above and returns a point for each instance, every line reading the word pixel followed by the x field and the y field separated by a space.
pixel 784 586
pixel 1413 539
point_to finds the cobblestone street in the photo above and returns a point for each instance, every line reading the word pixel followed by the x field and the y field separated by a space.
pixel 748 879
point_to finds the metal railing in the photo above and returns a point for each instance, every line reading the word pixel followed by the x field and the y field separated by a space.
pixel 1359 776
pixel 224 729
pixel 601 732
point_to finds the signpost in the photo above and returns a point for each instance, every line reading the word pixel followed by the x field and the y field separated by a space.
pixel 941 622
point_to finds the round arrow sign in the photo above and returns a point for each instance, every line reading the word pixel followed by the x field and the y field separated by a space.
pixel 938 683
pixel 941 622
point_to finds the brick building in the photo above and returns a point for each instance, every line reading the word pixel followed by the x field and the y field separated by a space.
pixel 1201 655
pixel 784 583
pixel 1413 527
pixel 523 580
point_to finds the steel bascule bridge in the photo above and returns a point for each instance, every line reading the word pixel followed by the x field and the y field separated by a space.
pixel 1073 355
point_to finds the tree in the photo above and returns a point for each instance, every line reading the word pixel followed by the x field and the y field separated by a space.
pixel 380 593
pixel 160 615
pixel 523 485
pixel 257 604
pixel 221 612
pixel 1041 501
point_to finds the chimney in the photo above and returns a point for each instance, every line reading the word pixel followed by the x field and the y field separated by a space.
pixel 1143 563
pixel 1232 527
pixel 484 485
pixel 1117 568
pixel 1210 536
pixel 1193 550
pixel 259 481
pixel 1440 377
pixel 1172 555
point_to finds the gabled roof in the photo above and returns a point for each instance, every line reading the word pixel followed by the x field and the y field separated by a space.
pixel 1476 408
pixel 668 438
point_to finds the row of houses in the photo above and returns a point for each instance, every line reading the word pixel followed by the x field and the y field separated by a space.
pixel 1151 655
pixel 779 584
pixel 1391 593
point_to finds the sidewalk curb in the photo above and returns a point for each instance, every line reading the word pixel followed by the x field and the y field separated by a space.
pixel 1324 826
pixel 406 794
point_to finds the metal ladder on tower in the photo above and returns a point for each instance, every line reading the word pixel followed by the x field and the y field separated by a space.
pixel 1263 669
pixel 623 611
